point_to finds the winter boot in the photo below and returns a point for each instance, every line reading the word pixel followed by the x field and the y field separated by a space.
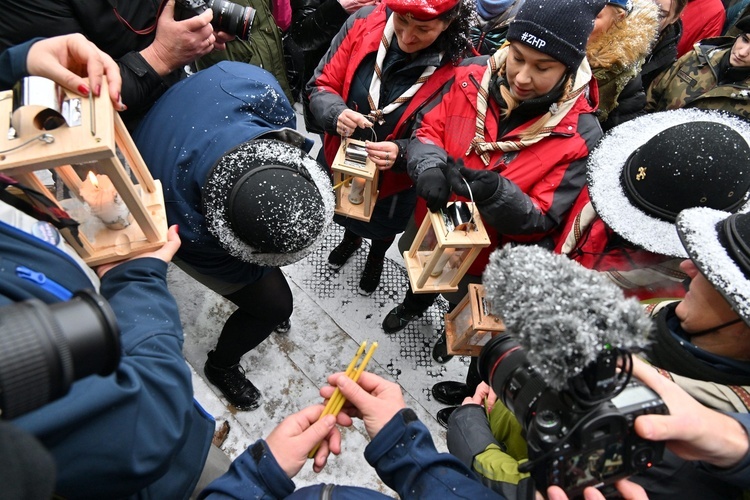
pixel 238 390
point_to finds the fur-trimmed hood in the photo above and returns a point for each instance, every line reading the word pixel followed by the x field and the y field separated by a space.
pixel 627 43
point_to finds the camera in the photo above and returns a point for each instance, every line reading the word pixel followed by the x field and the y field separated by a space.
pixel 581 435
pixel 45 348
pixel 229 17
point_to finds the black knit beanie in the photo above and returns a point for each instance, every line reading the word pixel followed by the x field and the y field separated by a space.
pixel 558 28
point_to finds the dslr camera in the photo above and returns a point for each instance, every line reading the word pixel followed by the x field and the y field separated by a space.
pixel 229 17
pixel 45 348
pixel 581 435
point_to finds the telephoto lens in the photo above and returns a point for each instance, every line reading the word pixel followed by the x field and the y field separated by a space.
pixel 232 18
pixel 45 348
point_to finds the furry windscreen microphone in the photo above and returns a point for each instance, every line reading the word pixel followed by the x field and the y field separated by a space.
pixel 561 313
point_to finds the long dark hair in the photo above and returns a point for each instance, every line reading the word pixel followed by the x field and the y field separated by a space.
pixel 454 41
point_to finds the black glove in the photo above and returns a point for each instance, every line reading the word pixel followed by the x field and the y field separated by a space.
pixel 434 188
pixel 483 183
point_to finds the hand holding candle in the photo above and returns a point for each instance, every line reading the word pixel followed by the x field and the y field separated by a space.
pixel 104 201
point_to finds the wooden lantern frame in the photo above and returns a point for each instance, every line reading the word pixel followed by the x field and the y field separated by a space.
pixel 471 324
pixel 344 171
pixel 420 263
pixel 95 144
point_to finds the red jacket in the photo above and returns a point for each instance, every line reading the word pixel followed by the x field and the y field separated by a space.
pixel 546 177
pixel 700 19
pixel 363 35
pixel 640 273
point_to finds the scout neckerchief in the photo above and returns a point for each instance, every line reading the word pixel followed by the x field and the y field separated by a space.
pixel 374 93
pixel 556 113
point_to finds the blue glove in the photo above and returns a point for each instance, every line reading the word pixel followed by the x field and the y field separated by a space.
pixel 434 188
pixel 483 183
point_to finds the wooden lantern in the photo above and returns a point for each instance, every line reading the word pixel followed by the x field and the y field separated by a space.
pixel 91 146
pixel 355 181
pixel 471 324
pixel 446 244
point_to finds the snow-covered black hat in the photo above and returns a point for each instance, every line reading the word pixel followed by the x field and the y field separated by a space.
pixel 268 202
pixel 719 244
pixel 645 171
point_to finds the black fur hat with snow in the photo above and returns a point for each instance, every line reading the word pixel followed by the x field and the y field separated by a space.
pixel 558 28
pixel 268 202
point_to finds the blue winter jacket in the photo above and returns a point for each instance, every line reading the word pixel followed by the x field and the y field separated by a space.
pixel 402 453
pixel 186 133
pixel 136 433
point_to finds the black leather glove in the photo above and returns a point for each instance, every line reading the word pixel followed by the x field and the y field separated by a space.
pixel 434 188
pixel 483 183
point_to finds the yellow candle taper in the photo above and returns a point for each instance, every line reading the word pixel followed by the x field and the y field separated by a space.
pixel 342 183
pixel 337 400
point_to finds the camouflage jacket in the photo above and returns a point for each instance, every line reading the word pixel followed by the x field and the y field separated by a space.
pixel 692 82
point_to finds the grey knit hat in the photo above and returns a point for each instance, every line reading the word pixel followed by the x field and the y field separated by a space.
pixel 558 28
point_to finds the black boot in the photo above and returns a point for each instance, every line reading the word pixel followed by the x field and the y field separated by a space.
pixel 231 381
pixel 444 414
pixel 440 349
pixel 371 275
pixel 400 316
pixel 284 326
pixel 450 392
pixel 339 255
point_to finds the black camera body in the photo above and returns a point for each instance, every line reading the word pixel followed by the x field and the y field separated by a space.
pixel 229 17
pixel 582 435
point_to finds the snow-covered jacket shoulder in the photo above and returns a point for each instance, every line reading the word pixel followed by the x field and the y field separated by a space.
pixel 402 453
pixel 616 58
pixel 136 432
pixel 329 87
pixel 546 176
pixel 691 82
pixel 640 273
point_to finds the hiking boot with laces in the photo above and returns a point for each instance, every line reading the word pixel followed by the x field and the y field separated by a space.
pixel 342 252
pixel 398 318
pixel 238 390
pixel 371 275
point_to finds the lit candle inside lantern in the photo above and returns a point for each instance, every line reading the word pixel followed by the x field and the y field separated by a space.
pixel 104 201
pixel 356 195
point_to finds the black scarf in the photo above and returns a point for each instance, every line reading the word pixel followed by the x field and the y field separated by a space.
pixel 667 353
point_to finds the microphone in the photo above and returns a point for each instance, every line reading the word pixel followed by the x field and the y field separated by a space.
pixel 562 314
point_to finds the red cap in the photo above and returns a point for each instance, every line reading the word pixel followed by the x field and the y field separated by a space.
pixel 421 10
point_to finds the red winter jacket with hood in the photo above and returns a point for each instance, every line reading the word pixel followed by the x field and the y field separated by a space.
pixel 545 177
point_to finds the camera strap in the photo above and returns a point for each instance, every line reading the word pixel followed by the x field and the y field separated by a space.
pixel 37 205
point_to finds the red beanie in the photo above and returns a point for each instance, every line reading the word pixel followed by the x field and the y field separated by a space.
pixel 421 10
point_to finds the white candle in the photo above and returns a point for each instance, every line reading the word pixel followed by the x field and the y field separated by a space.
pixel 104 202
pixel 356 195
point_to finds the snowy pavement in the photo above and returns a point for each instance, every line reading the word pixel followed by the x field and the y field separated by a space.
pixel 329 322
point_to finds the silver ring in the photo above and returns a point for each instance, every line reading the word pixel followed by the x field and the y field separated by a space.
pixel 387 156
pixel 387 163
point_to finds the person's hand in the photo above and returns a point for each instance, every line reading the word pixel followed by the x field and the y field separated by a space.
pixel 292 440
pixel 628 490
pixel 482 183
pixel 352 6
pixel 690 429
pixel 383 154
pixel 483 396
pixel 349 120
pixel 372 399
pixel 66 59
pixel 434 188
pixel 222 37
pixel 178 43
pixel 165 253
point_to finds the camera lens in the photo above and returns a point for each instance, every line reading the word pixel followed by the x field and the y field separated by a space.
pixel 45 348
pixel 503 365
pixel 232 18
